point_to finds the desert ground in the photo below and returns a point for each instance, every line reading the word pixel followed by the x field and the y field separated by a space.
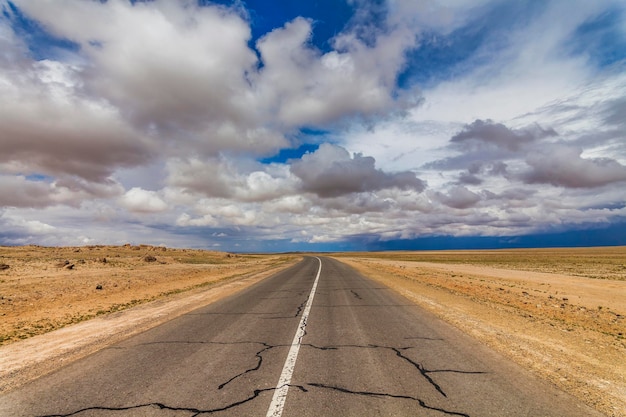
pixel 42 289
pixel 558 312
pixel 60 304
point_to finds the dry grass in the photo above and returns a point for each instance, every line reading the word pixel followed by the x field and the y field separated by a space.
pixel 598 262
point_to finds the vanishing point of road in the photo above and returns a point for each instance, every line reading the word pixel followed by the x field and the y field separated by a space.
pixel 317 339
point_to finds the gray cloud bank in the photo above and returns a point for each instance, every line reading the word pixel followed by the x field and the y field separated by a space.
pixel 553 161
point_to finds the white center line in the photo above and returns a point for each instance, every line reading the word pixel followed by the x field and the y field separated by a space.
pixel 280 394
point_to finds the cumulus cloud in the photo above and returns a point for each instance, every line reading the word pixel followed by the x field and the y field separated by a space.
pixel 303 86
pixel 143 201
pixel 188 71
pixel 214 213
pixel 186 220
pixel 225 178
pixel 331 171
pixel 178 66
pixel 291 204
pixel 47 127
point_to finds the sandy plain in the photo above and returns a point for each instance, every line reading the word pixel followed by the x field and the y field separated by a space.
pixel 558 312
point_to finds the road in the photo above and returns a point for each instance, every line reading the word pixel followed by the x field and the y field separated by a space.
pixel 360 350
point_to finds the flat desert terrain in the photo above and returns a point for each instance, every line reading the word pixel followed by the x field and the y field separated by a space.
pixel 558 312
pixel 60 304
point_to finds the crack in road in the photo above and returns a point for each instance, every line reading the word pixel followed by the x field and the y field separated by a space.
pixel 259 357
pixel 398 351
pixel 258 354
pixel 421 402
pixel 301 307
pixel 297 313
pixel 195 411
pixel 423 371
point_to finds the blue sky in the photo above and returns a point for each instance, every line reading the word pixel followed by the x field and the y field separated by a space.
pixel 318 125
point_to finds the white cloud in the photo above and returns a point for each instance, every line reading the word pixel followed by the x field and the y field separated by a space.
pixel 225 178
pixel 186 220
pixel 34 227
pixel 302 86
pixel 143 201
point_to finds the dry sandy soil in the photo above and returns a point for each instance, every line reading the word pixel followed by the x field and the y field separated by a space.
pixel 558 312
pixel 106 293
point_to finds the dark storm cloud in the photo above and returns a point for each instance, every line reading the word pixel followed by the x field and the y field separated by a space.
pixel 18 192
pixel 564 166
pixel 48 126
pixel 459 198
pixel 485 142
pixel 486 132
pixel 469 179
pixel 332 172
pixel 471 176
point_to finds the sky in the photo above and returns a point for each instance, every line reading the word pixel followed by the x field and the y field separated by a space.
pixel 264 126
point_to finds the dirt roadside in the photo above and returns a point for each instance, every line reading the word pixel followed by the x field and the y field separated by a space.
pixel 568 330
pixel 35 297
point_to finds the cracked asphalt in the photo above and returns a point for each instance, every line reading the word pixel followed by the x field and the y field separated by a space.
pixel 366 352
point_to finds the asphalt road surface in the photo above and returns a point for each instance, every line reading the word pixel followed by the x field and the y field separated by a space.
pixel 317 339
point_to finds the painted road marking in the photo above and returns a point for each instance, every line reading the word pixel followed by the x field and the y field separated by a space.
pixel 280 394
